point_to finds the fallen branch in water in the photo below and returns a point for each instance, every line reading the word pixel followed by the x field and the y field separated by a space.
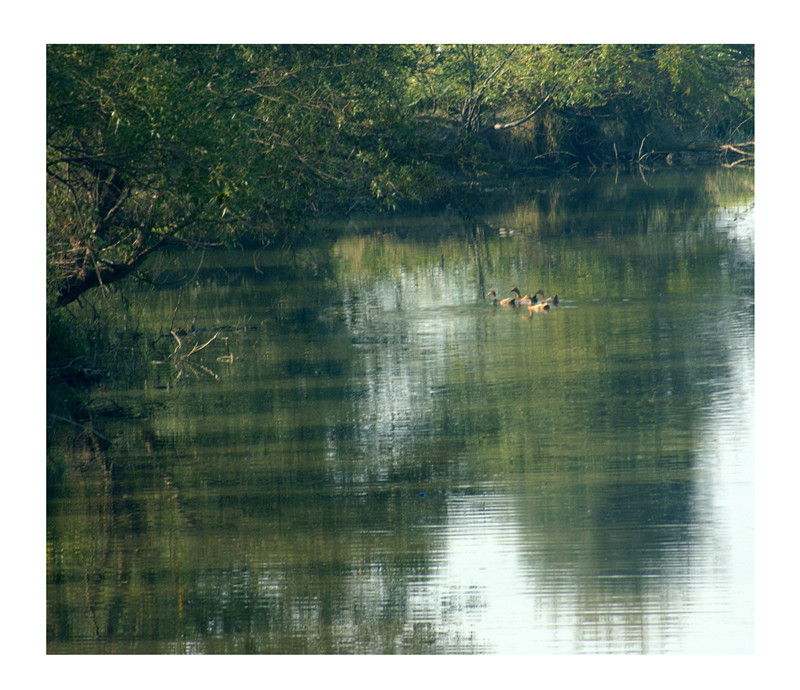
pixel 737 148
pixel 196 347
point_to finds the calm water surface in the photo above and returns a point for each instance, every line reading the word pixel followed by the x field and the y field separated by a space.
pixel 391 465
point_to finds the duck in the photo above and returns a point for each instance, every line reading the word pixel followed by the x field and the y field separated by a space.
pixel 507 302
pixel 527 299
pixel 551 301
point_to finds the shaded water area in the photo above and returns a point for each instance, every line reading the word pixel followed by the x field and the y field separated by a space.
pixel 369 458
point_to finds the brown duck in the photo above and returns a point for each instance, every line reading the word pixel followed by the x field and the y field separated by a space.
pixel 527 299
pixel 507 302
pixel 534 300
pixel 553 301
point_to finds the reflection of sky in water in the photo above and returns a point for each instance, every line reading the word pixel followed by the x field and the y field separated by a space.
pixel 492 594
pixel 725 480
pixel 492 586
pixel 491 589
pixel 739 224
pixel 404 367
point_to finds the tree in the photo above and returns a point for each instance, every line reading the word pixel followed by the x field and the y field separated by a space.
pixel 332 126
pixel 148 145
pixel 589 101
pixel 134 158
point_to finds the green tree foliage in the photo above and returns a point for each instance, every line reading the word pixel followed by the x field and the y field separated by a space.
pixel 331 127
pixel 135 155
pixel 590 103
pixel 149 145
pixel 674 94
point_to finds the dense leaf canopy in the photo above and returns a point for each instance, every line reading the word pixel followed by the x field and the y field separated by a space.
pixel 148 145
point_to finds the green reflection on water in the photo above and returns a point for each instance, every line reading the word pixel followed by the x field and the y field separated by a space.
pixel 381 430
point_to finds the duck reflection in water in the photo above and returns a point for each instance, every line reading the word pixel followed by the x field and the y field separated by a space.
pixel 538 307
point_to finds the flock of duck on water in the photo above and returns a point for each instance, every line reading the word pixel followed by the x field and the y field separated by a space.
pixel 533 301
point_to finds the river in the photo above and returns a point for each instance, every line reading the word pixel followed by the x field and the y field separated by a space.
pixel 369 458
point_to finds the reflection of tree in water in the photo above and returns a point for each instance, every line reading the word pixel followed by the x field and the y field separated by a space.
pixel 315 497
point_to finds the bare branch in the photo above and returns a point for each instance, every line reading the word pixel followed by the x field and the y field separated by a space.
pixel 544 101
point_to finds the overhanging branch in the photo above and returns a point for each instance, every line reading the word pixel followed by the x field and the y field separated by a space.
pixel 532 114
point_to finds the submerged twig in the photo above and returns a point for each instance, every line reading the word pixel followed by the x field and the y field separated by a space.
pixel 226 358
pixel 88 429
pixel 196 348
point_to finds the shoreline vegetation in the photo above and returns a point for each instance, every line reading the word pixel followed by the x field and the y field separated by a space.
pixel 153 147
